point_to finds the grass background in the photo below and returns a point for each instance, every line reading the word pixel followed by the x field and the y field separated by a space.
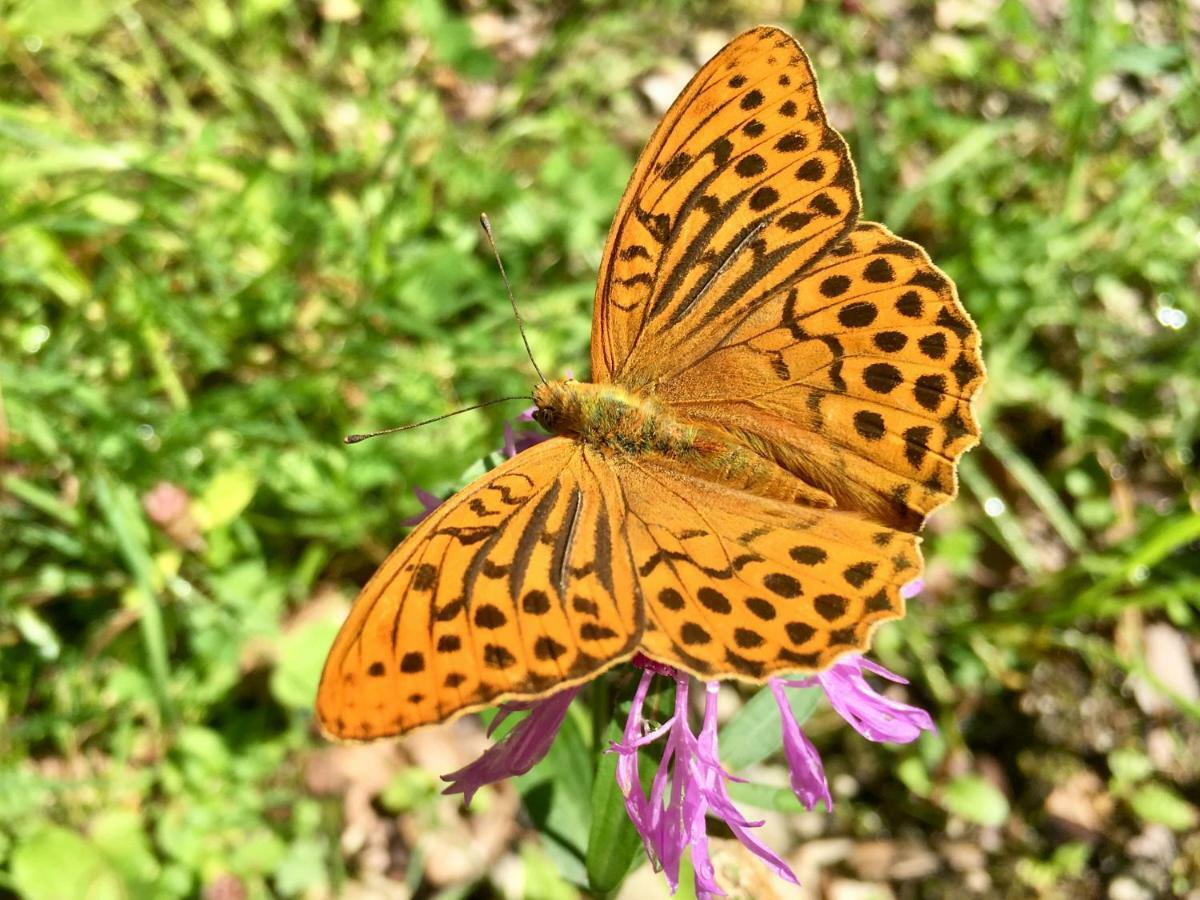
pixel 232 232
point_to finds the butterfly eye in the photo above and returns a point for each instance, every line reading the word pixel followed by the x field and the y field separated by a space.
pixel 546 418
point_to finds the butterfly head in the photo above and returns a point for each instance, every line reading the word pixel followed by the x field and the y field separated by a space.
pixel 567 406
pixel 548 418
pixel 554 401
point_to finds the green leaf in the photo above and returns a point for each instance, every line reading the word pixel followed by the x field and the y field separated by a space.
pixel 913 775
pixel 203 751
pixel 298 669
pixel 37 632
pixel 55 862
pixel 975 799
pixel 1068 861
pixel 1129 765
pixel 1146 61
pixel 410 788
pixel 50 19
pixel 542 880
pixel 1159 804
pixel 453 40
pixel 226 496
pixel 112 209
pixel 557 792
pixel 303 869
pixel 754 733
pixel 259 851
pixel 121 837
pixel 764 796
pixel 614 845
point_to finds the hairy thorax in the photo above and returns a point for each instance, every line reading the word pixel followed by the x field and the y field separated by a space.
pixel 621 423
pixel 611 418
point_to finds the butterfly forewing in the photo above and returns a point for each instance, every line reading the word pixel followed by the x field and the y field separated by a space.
pixel 742 187
pixel 510 589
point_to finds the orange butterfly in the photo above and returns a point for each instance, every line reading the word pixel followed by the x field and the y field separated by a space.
pixel 780 396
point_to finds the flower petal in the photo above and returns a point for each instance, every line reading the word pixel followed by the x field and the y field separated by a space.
pixel 518 751
pixel 874 716
pixel 804 763
pixel 712 782
pixel 429 501
pixel 688 786
pixel 637 807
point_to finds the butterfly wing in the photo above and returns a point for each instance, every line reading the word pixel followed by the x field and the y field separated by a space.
pixel 508 590
pixel 742 187
pixel 859 378
pixel 736 585
pixel 739 288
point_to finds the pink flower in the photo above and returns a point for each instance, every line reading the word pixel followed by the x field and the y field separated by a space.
pixel 169 507
pixel 166 503
pixel 690 783
pixel 519 750
pixel 429 502
pixel 804 763
pixel 874 716
pixel 515 441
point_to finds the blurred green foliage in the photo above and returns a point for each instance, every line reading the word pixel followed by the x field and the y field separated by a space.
pixel 231 233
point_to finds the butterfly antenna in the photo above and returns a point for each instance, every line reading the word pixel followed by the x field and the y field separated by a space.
pixel 487 229
pixel 355 438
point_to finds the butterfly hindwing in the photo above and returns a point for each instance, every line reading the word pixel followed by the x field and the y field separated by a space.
pixel 742 186
pixel 860 376
pixel 736 585
pixel 509 590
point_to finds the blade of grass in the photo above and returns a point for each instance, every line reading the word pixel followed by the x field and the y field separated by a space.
pixel 1092 646
pixel 41 499
pixel 1153 548
pixel 1038 489
pixel 151 55
pixel 156 348
pixel 1007 529
pixel 965 151
pixel 118 505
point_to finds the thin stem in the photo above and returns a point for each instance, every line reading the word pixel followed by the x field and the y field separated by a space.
pixel 601 716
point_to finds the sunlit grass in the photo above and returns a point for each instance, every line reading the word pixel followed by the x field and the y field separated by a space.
pixel 232 235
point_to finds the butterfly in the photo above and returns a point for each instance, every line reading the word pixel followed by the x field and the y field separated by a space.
pixel 780 393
